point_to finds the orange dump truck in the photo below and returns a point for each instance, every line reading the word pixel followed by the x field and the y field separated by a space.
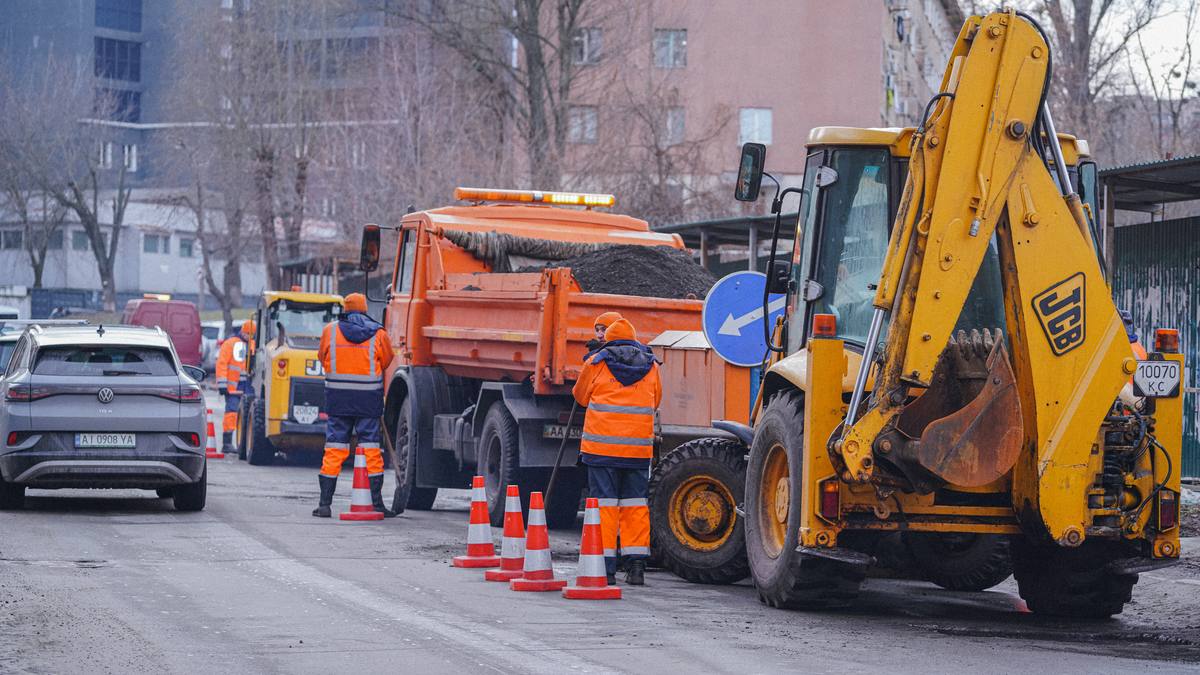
pixel 486 356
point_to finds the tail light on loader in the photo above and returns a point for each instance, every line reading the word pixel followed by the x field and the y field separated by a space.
pixel 831 499
pixel 281 368
pixel 1166 341
pixel 1168 510
pixel 824 326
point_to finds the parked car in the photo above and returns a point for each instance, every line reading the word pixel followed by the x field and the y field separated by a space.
pixel 212 334
pixel 11 329
pixel 101 407
pixel 179 318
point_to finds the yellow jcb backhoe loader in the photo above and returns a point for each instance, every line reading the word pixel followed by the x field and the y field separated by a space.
pixel 1027 417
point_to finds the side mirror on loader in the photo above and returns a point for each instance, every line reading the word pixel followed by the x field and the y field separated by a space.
pixel 368 256
pixel 750 172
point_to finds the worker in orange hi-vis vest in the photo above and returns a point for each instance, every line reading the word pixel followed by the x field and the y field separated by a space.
pixel 355 351
pixel 620 386
pixel 232 362
pixel 601 325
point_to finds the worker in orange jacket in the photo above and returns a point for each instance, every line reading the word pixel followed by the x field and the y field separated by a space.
pixel 602 323
pixel 620 386
pixel 232 362
pixel 355 351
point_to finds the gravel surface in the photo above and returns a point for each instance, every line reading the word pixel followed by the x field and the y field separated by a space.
pixel 645 271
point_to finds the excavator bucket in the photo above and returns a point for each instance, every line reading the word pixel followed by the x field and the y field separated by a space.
pixel 969 422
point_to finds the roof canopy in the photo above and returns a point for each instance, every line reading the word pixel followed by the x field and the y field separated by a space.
pixel 1145 187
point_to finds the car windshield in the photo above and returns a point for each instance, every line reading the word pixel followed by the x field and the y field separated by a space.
pixel 93 361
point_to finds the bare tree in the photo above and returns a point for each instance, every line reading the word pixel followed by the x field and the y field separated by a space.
pixel 41 218
pixel 525 51
pixel 1169 93
pixel 1089 39
pixel 58 139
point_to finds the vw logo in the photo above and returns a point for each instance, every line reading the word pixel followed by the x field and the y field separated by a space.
pixel 105 395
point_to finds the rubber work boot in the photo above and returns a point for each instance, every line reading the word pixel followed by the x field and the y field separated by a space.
pixel 328 485
pixel 611 578
pixel 227 442
pixel 635 573
pixel 377 497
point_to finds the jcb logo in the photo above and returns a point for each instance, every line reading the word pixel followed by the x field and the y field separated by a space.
pixel 1061 309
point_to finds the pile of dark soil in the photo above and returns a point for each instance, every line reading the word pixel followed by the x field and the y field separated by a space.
pixel 644 271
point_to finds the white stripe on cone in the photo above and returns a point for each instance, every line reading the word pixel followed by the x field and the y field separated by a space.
pixel 536 517
pixel 591 517
pixel 537 560
pixel 591 566
pixel 478 494
pixel 479 533
pixel 512 547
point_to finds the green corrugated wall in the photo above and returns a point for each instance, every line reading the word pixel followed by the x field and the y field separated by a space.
pixel 1156 276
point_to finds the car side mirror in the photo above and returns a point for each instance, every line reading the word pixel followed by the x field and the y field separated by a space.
pixel 197 374
pixel 750 172
pixel 368 255
pixel 779 277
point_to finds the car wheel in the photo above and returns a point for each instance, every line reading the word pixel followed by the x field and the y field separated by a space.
pixel 192 496
pixel 12 496
pixel 259 449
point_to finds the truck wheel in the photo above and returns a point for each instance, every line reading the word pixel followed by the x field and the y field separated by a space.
pixel 1071 582
pixel 407 492
pixel 785 578
pixel 191 497
pixel 693 493
pixel 960 561
pixel 259 449
pixel 498 460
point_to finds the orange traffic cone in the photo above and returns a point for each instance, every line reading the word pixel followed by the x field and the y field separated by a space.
pixel 210 446
pixel 512 547
pixel 591 581
pixel 481 552
pixel 361 507
pixel 538 574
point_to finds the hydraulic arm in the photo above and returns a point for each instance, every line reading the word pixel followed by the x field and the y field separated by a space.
pixel 986 167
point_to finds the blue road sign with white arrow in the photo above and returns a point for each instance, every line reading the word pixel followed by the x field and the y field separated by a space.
pixel 733 317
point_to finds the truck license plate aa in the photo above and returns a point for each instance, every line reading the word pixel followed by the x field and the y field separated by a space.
pixel 557 431
pixel 1156 379
pixel 104 440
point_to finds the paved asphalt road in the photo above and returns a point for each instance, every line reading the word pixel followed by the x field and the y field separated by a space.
pixel 116 581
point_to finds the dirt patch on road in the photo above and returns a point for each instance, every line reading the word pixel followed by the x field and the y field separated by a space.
pixel 644 271
pixel 1189 520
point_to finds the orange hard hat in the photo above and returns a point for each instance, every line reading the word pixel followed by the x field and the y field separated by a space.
pixel 355 302
pixel 607 319
pixel 248 328
pixel 620 329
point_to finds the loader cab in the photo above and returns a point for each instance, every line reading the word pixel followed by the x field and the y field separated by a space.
pixel 853 182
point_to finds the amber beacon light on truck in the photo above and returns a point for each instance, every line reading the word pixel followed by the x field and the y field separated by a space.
pixel 589 200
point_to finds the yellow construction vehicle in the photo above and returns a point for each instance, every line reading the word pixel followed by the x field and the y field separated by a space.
pixel 1005 398
pixel 285 409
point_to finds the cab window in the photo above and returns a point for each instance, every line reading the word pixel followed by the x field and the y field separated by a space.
pixel 408 252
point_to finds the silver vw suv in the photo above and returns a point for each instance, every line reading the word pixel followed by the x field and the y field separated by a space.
pixel 101 407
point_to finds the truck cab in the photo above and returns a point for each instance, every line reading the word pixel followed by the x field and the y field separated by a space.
pixel 284 412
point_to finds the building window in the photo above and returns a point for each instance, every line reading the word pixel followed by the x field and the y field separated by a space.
pixel 586 44
pixel 675 125
pixel 328 207
pixel 755 125
pixel 186 247
pixel 118 59
pixel 581 123
pixel 119 15
pixel 11 240
pixel 79 241
pixel 358 154
pixel 54 240
pixel 129 157
pixel 121 105
pixel 104 156
pixel 670 47
pixel 156 243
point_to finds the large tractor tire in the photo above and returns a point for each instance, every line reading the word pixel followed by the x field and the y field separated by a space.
pixel 259 449
pixel 1071 582
pixel 407 493
pixel 694 492
pixel 785 578
pixel 960 562
pixel 499 463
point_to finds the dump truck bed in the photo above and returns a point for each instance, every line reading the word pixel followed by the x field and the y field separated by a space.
pixel 533 325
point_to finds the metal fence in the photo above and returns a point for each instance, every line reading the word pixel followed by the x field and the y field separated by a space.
pixel 1156 276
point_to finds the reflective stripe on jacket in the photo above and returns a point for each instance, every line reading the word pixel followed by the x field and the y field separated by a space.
pixel 354 372
pixel 618 428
